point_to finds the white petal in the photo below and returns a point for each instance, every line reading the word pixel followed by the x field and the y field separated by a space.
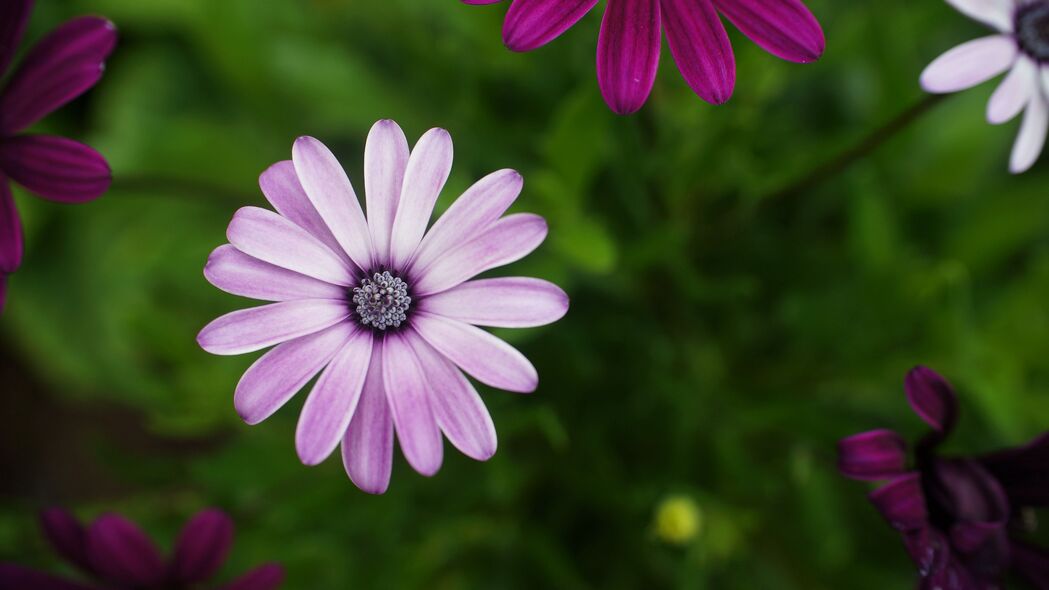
pixel 428 168
pixel 407 391
pixel 1014 92
pixel 996 13
pixel 509 302
pixel 385 159
pixel 1029 143
pixel 367 448
pixel 970 64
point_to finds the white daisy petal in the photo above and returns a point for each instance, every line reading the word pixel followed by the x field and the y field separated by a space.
pixel 970 64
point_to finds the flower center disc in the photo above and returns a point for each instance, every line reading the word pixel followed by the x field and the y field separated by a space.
pixel 1032 30
pixel 382 301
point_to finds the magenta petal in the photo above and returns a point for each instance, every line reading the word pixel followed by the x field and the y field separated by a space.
pixel 11 243
pixel 265 577
pixel 122 553
pixel 784 28
pixel 367 448
pixel 248 330
pixel 282 189
pixel 14 14
pixel 55 168
pixel 66 535
pixel 1023 472
pixel 407 390
pixel 58 69
pixel 701 48
pixel 235 272
pixel 202 546
pixel 628 53
pixel 16 577
pixel 879 454
pixel 483 356
pixel 902 502
pixel 533 23
pixel 478 2
pixel 511 302
pixel 932 398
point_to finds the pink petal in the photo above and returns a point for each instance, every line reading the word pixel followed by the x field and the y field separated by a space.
pixel 902 502
pixel 281 186
pixel 262 234
pixel 970 64
pixel 483 356
pixel 280 373
pixel 367 448
pixel 330 191
pixel 55 168
pixel 11 243
pixel 996 13
pixel 512 302
pixel 235 272
pixel 202 546
pixel 1013 94
pixel 784 28
pixel 874 455
pixel 1031 140
pixel 248 330
pixel 407 392
pixel 701 48
pixel 330 406
pixel 932 398
pixel 628 53
pixel 385 160
pixel 533 23
pixel 428 168
pixel 122 553
pixel 507 240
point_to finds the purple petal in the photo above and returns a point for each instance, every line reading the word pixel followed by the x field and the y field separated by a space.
pixel 367 448
pixel 1032 563
pixel 930 551
pixel 1015 91
pixel 902 502
pixel 533 23
pixel 235 272
pixel 281 186
pixel 932 398
pixel 265 577
pixel 248 330
pixel 11 242
pixel 407 391
pixel 16 577
pixel 483 356
pixel 202 546
pixel 428 168
pixel 67 536
pixel 874 455
pixel 331 193
pixel 478 2
pixel 628 53
pixel 1031 140
pixel 280 373
pixel 512 302
pixel 1023 472
pixel 122 553
pixel 968 537
pixel 456 406
pixel 385 160
pixel 58 69
pixel 970 64
pixel 507 240
pixel 55 168
pixel 967 491
pixel 14 14
pixel 996 13
pixel 330 406
pixel 701 48
pixel 477 208
pixel 784 28
pixel 264 235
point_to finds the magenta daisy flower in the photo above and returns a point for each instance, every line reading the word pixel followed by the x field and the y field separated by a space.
pixel 629 43
pixel 1020 46
pixel 382 308
pixel 961 518
pixel 114 553
pixel 61 67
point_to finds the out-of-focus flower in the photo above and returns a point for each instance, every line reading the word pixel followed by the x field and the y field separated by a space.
pixel 1020 47
pixel 631 35
pixel 380 307
pixel 678 520
pixel 114 553
pixel 61 67
pixel 960 517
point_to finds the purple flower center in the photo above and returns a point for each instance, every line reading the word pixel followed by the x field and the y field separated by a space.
pixel 1032 30
pixel 382 301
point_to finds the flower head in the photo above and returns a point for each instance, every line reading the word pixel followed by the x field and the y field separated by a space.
pixel 380 306
pixel 1019 47
pixel 960 517
pixel 114 553
pixel 629 42
pixel 61 67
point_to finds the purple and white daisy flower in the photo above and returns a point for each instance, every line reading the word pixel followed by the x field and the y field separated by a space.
pixel 380 306
pixel 61 67
pixel 629 43
pixel 1020 47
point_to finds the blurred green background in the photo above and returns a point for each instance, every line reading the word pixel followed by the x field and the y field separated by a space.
pixel 737 304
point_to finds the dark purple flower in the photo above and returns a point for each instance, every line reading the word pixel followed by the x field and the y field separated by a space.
pixel 960 517
pixel 61 67
pixel 113 553
pixel 629 42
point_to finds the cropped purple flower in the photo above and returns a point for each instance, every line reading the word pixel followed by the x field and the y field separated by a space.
pixel 114 553
pixel 629 42
pixel 961 518
pixel 61 67
pixel 380 307
pixel 1020 47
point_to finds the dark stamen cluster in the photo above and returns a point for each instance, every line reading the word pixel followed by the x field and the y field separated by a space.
pixel 1032 30
pixel 382 301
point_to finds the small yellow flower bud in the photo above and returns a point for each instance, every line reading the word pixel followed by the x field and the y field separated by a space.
pixel 678 520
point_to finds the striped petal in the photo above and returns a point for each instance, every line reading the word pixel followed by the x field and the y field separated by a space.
pixel 385 160
pixel 628 53
pixel 407 392
pixel 55 168
pixel 784 28
pixel 281 187
pixel 533 23
pixel 367 448
pixel 701 48
pixel 428 168
pixel 248 330
pixel 512 302
pixel 235 272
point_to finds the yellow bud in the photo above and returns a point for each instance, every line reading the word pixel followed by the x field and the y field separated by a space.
pixel 678 520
